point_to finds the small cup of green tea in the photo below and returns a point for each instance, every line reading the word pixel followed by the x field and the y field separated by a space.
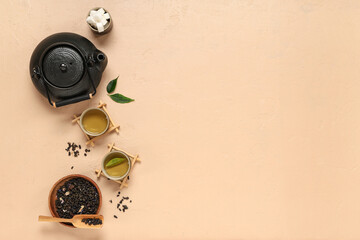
pixel 94 121
pixel 116 165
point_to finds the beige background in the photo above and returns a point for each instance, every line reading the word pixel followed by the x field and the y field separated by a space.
pixel 246 117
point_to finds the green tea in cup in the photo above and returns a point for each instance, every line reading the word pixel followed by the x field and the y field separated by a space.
pixel 94 121
pixel 116 165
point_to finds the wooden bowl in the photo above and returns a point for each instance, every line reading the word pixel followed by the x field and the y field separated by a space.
pixel 58 184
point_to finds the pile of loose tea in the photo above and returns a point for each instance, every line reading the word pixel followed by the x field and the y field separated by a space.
pixel 76 196
pixel 92 221
pixel 74 150
pixel 122 205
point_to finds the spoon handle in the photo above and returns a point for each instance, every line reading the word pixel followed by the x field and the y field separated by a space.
pixel 53 219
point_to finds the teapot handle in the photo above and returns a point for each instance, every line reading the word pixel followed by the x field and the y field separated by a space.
pixel 71 100
pixel 76 99
pixel 61 103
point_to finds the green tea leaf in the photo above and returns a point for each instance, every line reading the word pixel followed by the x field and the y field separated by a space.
pixel 111 85
pixel 114 162
pixel 120 98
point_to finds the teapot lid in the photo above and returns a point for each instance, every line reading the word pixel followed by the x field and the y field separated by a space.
pixel 63 66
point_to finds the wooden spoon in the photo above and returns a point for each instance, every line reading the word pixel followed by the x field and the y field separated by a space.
pixel 76 220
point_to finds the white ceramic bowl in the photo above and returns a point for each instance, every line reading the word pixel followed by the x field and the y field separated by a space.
pixel 91 133
pixel 112 155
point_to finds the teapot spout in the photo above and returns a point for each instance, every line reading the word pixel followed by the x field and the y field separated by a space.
pixel 100 60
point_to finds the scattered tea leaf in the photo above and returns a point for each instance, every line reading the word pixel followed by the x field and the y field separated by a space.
pixel 111 85
pixel 120 98
pixel 114 162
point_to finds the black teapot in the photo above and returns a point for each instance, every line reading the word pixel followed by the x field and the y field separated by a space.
pixel 66 68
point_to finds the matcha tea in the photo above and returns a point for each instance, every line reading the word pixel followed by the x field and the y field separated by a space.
pixel 94 121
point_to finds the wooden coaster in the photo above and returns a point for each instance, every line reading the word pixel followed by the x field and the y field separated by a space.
pixel 133 158
pixel 112 126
